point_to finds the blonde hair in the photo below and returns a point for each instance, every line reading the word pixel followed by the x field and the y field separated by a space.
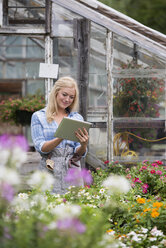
pixel 52 107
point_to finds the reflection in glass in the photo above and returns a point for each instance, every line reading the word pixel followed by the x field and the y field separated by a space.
pixel 97 142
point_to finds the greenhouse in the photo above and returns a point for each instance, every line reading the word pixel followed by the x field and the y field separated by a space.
pixel 119 64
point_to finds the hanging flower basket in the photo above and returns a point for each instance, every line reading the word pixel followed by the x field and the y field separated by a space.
pixel 23 117
pixel 19 111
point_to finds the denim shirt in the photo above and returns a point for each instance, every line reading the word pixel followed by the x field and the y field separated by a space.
pixel 42 131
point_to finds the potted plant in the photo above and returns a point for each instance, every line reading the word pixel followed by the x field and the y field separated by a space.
pixel 137 96
pixel 19 111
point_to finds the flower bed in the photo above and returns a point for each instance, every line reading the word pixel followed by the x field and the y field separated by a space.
pixel 118 207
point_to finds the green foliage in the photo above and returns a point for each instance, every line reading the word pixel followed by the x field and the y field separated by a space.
pixel 151 13
pixel 19 111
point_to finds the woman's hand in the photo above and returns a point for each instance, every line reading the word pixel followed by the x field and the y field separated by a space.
pixel 83 136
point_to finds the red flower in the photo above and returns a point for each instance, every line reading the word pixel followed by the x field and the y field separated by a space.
pixel 152 171
pixel 106 162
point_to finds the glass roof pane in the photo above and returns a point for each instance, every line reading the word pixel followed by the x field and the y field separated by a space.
pixel 26 12
pixel 62 21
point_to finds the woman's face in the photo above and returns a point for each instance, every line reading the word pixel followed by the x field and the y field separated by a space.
pixel 65 97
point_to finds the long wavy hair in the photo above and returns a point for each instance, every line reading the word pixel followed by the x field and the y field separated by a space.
pixel 52 107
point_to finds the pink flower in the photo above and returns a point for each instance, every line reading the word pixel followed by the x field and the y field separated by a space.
pixel 75 176
pixel 145 186
pixel 143 168
pixel 11 141
pixel 159 162
pixel 158 172
pixel 128 176
pixel 154 165
pixel 136 180
pixel 73 225
pixel 133 185
pixel 152 171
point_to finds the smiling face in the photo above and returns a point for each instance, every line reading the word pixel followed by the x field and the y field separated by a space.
pixel 65 97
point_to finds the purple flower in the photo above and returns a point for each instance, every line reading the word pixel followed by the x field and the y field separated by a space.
pixel 72 225
pixel 75 176
pixel 7 191
pixel 11 141
pixel 87 177
pixel 6 233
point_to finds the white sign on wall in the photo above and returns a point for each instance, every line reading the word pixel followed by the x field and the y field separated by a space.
pixel 48 70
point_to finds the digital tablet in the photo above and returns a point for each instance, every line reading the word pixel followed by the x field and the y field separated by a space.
pixel 68 126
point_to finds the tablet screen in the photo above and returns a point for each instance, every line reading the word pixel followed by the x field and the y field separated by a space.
pixel 68 126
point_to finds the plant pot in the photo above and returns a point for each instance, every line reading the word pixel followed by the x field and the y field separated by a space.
pixel 23 117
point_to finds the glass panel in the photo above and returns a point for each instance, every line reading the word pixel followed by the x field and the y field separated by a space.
pixel 22 13
pixel 97 70
pixel 62 21
pixel 35 47
pixel 66 56
pixel 21 56
pixel 98 142
pixel 130 144
pixel 36 86
pixel 138 103
pixel 139 97
pixel 98 31
pixel 97 91
pixel 122 51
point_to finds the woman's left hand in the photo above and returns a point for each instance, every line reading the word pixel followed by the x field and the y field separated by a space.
pixel 83 136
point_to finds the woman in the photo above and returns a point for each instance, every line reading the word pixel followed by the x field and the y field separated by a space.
pixel 62 102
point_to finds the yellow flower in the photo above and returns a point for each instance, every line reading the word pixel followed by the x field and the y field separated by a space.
pixel 155 214
pixel 141 200
pixel 109 230
pixel 157 204
pixel 147 209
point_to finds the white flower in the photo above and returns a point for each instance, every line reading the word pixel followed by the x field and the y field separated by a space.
pixel 23 196
pixel 21 204
pixel 154 246
pixel 66 211
pixel 41 179
pixel 156 232
pixel 52 226
pixel 136 238
pixel 9 175
pixel 18 156
pixel 117 184
pixel 132 233
pixel 144 230
pixel 39 199
pixel 102 191
pixel 152 238
pixel 4 155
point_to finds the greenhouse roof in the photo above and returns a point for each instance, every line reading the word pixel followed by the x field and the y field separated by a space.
pixel 118 23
